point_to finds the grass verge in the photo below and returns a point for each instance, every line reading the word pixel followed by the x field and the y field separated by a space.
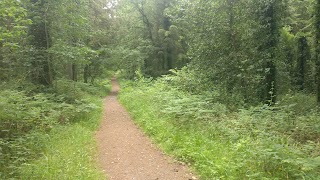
pixel 48 133
pixel 68 151
pixel 250 144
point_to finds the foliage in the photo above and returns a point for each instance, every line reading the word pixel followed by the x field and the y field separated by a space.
pixel 27 117
pixel 256 143
pixel 128 60
pixel 257 50
pixel 13 31
pixel 220 61
pixel 68 152
pixel 42 44
pixel 143 29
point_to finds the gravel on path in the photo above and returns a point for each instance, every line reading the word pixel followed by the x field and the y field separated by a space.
pixel 125 153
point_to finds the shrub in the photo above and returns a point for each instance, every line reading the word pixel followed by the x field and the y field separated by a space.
pixel 298 103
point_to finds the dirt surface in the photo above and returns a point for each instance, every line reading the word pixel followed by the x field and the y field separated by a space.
pixel 125 153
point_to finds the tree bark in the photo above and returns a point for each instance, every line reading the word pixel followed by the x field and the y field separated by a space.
pixel 41 70
pixel 73 75
pixel 271 43
pixel 303 55
pixel 317 26
pixel 86 74
pixel 231 80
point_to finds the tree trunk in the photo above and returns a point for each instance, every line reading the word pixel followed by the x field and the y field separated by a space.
pixel 73 75
pixel 270 46
pixel 317 24
pixel 303 55
pixel 231 79
pixel 41 69
pixel 86 74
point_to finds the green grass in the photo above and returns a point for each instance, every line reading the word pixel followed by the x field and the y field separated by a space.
pixel 49 133
pixel 69 152
pixel 222 145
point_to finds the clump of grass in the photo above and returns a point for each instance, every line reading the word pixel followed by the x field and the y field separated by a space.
pixel 68 155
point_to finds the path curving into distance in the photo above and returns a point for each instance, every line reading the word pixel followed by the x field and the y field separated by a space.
pixel 125 153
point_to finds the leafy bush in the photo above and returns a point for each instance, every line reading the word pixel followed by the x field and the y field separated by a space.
pixel 19 113
pixel 190 82
pixel 17 151
pixel 298 103
pixel 185 80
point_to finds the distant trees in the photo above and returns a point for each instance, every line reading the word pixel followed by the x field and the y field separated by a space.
pixel 40 42
pixel 160 43
pixel 258 50
pixel 47 40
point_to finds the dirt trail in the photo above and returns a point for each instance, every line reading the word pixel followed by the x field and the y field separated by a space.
pixel 125 153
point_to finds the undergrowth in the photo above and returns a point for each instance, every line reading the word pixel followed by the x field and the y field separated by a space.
pixel 251 143
pixel 68 153
pixel 46 133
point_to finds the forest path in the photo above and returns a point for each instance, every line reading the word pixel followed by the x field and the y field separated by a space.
pixel 125 153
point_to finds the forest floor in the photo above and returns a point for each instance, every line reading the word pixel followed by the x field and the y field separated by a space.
pixel 124 151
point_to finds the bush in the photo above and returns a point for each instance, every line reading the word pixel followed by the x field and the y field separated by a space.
pixel 298 103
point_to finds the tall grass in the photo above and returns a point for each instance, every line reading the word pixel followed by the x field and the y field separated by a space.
pixel 47 133
pixel 255 143
pixel 68 153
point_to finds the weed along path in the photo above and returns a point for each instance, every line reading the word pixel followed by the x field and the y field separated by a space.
pixel 125 153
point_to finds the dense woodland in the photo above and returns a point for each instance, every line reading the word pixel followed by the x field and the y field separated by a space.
pixel 257 50
pixel 232 87
pixel 52 76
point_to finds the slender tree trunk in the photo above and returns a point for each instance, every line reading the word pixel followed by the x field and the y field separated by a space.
pixel 270 47
pixel 303 55
pixel 73 75
pixel 86 74
pixel 290 62
pixel 145 20
pixel 271 90
pixel 75 72
pixel 41 69
pixel 1 60
pixel 47 64
pixel 317 26
pixel 231 80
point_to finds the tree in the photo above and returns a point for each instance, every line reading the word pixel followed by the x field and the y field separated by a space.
pixel 13 34
pixel 268 36
pixel 70 30
pixel 317 39
pixel 165 48
pixel 300 23
pixel 303 57
pixel 41 72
